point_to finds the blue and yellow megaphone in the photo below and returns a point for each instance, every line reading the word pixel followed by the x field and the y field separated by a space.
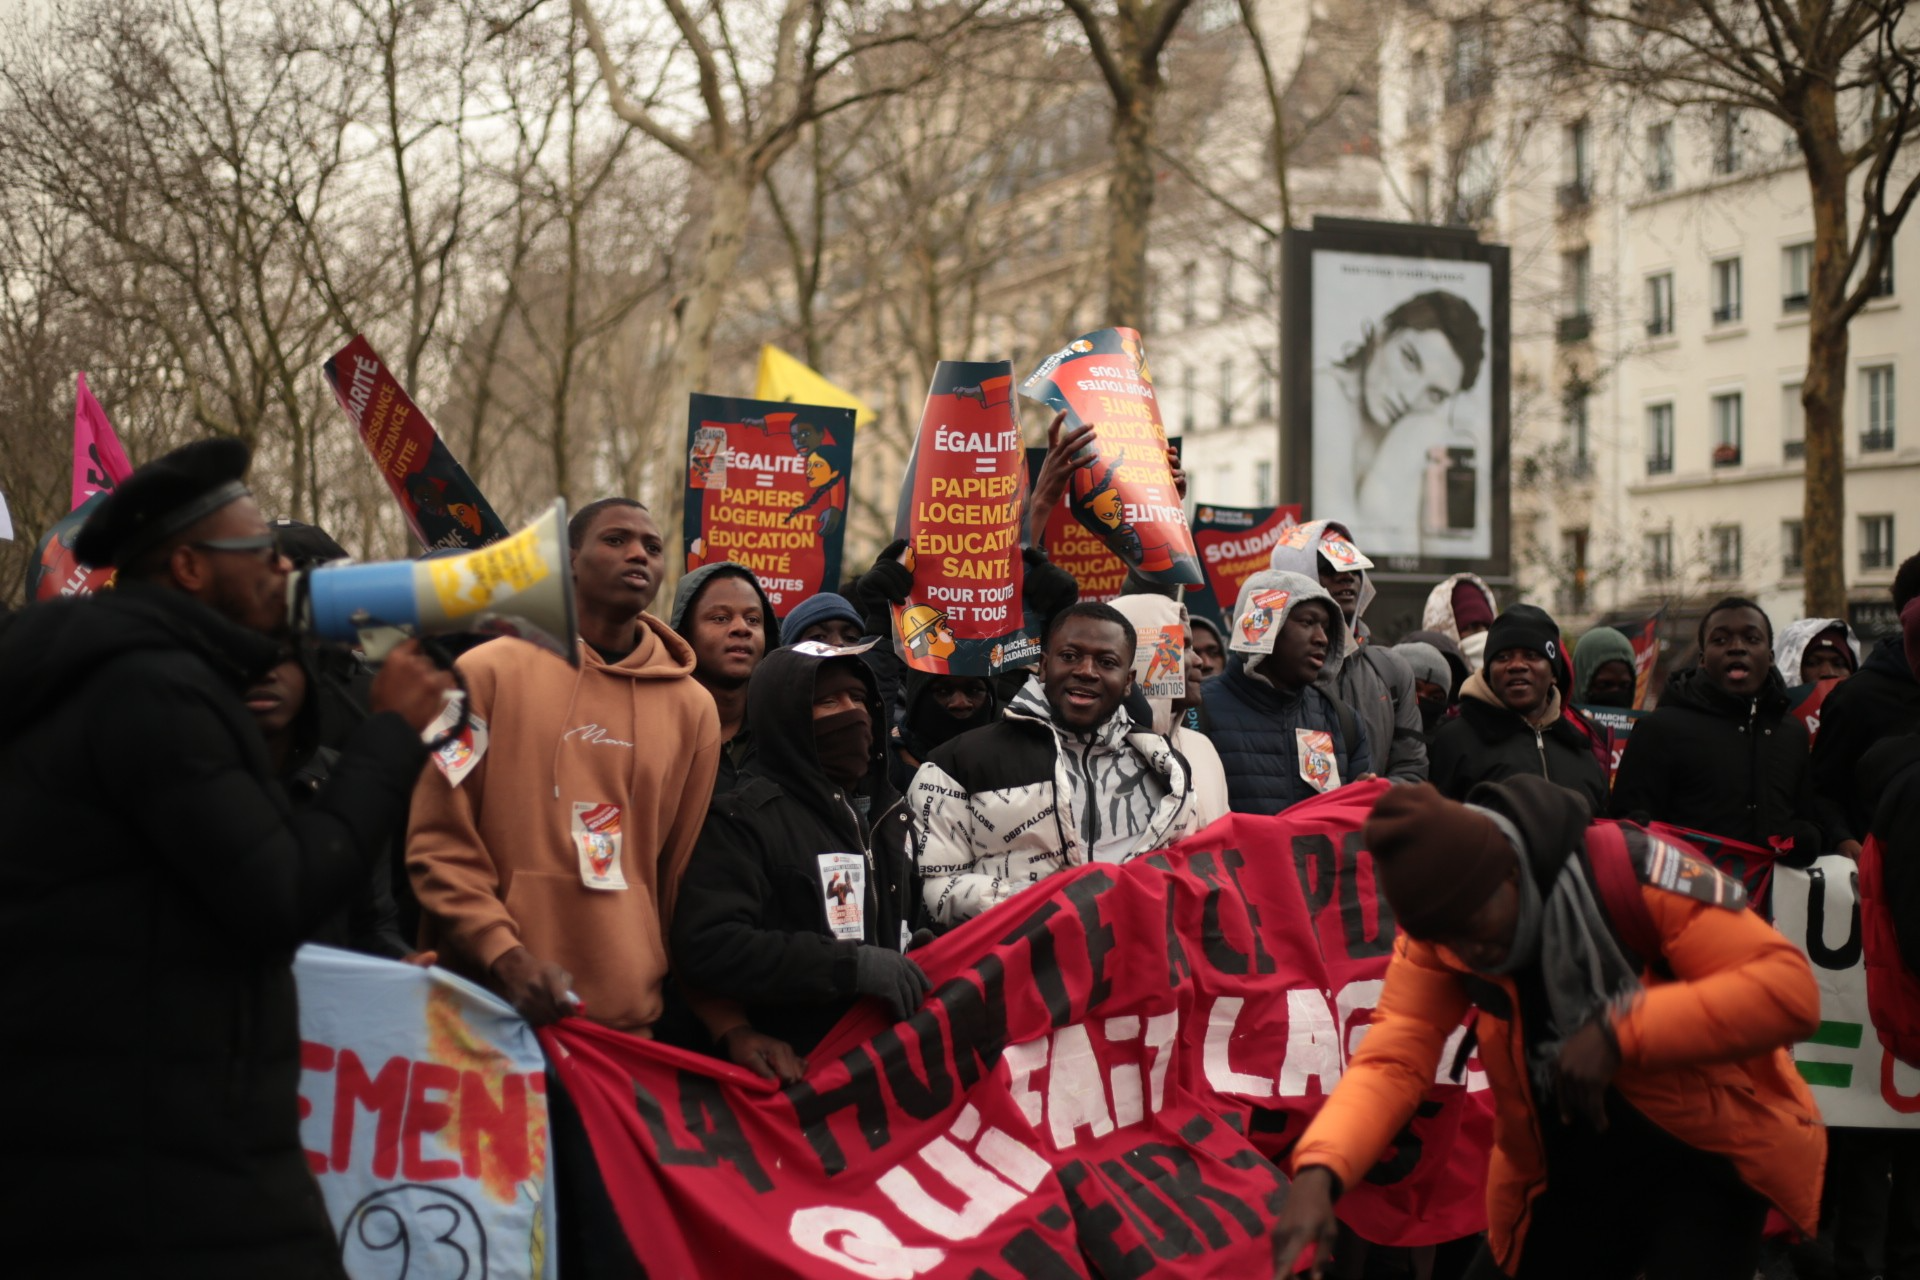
pixel 519 586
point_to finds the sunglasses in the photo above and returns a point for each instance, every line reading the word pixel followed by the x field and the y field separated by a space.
pixel 261 545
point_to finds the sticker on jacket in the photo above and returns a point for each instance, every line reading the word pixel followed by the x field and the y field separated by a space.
pixel 596 835
pixel 456 759
pixel 1255 634
pixel 1318 767
pixel 1678 871
pixel 843 877
pixel 1161 654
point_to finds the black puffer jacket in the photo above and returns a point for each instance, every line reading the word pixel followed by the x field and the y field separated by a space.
pixel 751 922
pixel 153 886
pixel 1487 742
pixel 1880 700
pixel 1733 767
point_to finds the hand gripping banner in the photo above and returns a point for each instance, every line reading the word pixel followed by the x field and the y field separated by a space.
pixel 1099 1084
pixel 1092 563
pixel 1234 544
pixel 767 488
pixel 961 503
pixel 1123 494
pixel 443 506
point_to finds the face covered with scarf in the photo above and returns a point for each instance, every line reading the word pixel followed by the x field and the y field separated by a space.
pixel 842 721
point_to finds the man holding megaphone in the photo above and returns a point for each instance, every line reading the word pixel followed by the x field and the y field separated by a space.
pixel 154 884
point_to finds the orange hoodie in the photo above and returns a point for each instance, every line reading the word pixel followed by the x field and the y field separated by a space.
pixel 562 834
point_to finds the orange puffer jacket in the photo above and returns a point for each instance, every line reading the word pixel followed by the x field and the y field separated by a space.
pixel 1700 1056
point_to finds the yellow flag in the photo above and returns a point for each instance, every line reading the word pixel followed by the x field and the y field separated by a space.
pixel 784 378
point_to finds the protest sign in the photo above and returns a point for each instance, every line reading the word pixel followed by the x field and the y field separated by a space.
pixel 1092 563
pixel 1805 700
pixel 767 488
pixel 1124 493
pixel 54 570
pixel 99 463
pixel 423 1111
pixel 1234 543
pixel 1098 1084
pixel 442 504
pixel 961 505
pixel 1618 722
pixel 1857 1083
pixel 1645 637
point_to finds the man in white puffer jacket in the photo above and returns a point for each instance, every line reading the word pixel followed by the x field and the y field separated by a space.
pixel 1067 777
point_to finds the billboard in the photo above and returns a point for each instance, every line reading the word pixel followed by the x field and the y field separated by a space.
pixel 1395 376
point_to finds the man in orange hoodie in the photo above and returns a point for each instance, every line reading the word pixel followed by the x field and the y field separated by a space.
pixel 548 842
pixel 1632 1018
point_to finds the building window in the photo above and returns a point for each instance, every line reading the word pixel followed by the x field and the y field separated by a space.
pixel 1882 283
pixel 1726 291
pixel 1876 542
pixel 1475 183
pixel 1419 104
pixel 1470 66
pixel 1573 571
pixel 1266 391
pixel 1728 134
pixel 1187 396
pixel 1422 197
pixel 1578 188
pixel 1227 282
pixel 1576 281
pixel 1659 555
pixel 1660 156
pixel 1876 400
pixel 1226 393
pixel 1659 439
pixel 1189 295
pixel 1264 264
pixel 1723 541
pixel 1578 459
pixel 1726 429
pixel 1263 482
pixel 1796 265
pixel 1660 304
pixel 1792 553
pixel 1793 423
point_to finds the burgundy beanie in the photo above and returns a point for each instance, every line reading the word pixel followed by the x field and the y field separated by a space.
pixel 1437 861
pixel 1470 604
pixel 1910 634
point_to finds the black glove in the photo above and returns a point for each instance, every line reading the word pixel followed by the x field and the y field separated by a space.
pixel 890 978
pixel 1049 587
pixel 888 580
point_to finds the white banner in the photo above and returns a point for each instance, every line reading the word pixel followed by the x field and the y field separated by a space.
pixel 1857 1083
pixel 423 1111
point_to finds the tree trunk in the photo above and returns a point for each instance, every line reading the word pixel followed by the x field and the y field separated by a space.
pixel 1130 205
pixel 1823 393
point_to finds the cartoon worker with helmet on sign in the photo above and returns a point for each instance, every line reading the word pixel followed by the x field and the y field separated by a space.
pixel 926 632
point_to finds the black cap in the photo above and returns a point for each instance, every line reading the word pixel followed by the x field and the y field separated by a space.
pixel 1524 627
pixel 162 498
pixel 305 544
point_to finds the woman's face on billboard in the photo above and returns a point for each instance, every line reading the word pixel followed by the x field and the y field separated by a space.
pixel 1412 371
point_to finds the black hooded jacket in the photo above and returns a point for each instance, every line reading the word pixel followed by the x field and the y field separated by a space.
pixel 1489 742
pixel 1729 766
pixel 751 921
pixel 925 724
pixel 1879 700
pixel 154 884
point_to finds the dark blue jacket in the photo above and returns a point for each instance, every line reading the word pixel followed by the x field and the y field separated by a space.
pixel 1254 728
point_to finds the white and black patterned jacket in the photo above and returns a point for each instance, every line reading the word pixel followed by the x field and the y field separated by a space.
pixel 1000 808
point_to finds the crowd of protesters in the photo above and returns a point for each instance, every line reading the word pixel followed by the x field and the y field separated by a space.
pixel 725 830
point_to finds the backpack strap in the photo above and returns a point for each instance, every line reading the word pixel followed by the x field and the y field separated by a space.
pixel 1618 884
pixel 1349 727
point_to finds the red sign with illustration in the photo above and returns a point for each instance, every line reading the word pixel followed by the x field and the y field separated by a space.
pixel 962 501
pixel 1234 544
pixel 1123 493
pixel 767 488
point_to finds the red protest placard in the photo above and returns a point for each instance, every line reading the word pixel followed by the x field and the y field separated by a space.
pixel 1234 544
pixel 1124 492
pixel 1093 565
pixel 444 508
pixel 961 503
pixel 767 488
pixel 1099 1084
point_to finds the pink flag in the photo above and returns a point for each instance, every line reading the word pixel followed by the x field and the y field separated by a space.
pixel 99 463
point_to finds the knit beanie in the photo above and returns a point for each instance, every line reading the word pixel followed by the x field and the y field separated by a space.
pixel 1470 605
pixel 1524 628
pixel 824 607
pixel 1437 861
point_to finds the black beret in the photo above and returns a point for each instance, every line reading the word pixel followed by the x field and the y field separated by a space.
pixel 306 544
pixel 162 498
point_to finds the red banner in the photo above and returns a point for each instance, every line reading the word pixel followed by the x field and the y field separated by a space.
pixel 1099 1084
pixel 767 488
pixel 961 503
pixel 444 508
pixel 1751 865
pixel 1646 654
pixel 1123 493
